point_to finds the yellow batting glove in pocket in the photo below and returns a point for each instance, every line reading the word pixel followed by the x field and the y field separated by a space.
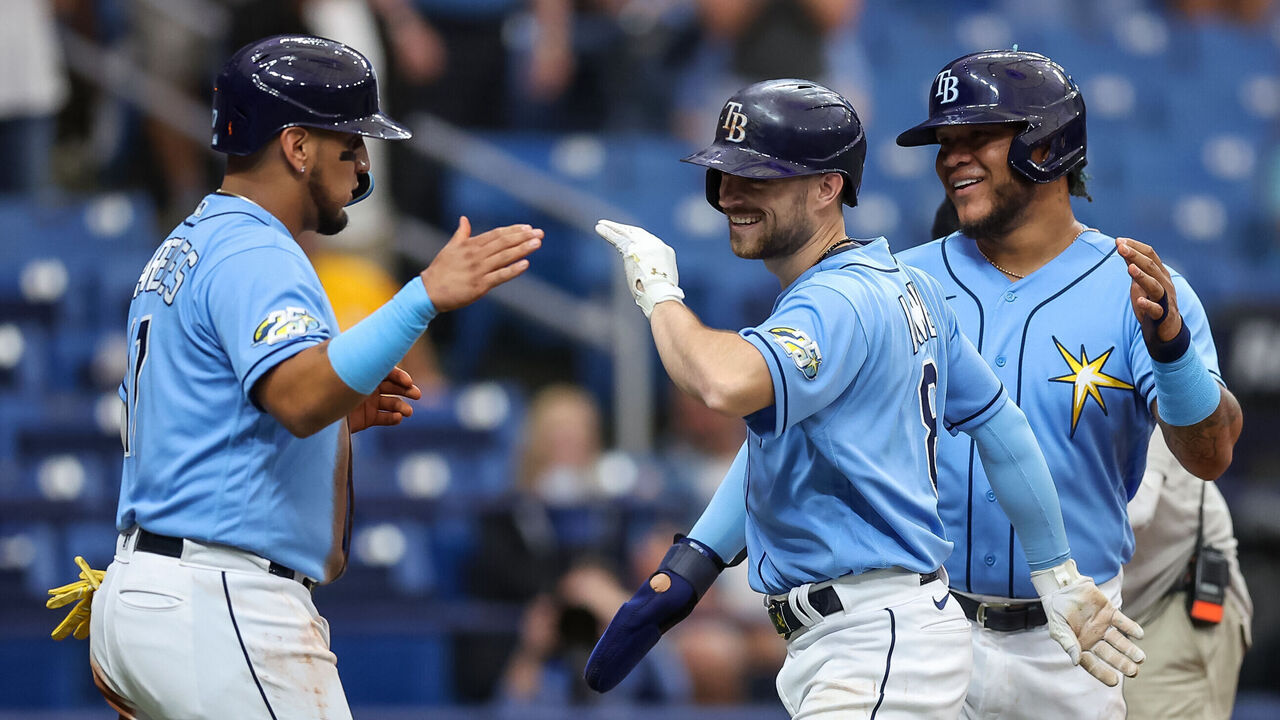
pixel 77 621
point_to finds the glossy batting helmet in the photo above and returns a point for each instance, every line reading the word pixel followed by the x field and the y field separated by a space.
pixel 1011 86
pixel 291 80
pixel 785 128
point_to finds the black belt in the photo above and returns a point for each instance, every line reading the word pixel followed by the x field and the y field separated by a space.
pixel 1003 617
pixel 172 547
pixel 824 600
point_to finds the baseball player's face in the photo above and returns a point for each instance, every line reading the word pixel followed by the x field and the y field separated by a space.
pixel 340 159
pixel 973 165
pixel 767 218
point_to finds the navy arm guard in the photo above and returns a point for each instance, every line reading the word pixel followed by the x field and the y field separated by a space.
pixel 691 567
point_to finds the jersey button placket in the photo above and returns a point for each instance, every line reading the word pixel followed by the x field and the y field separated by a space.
pixel 991 496
pixel 1010 296
pixel 1000 361
pixel 989 560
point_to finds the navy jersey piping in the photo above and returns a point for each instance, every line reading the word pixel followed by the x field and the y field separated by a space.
pixel 986 407
pixel 1022 347
pixel 982 326
pixel 877 268
pixel 781 375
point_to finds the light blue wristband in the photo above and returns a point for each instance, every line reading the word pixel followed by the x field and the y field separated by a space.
pixel 1185 391
pixel 363 355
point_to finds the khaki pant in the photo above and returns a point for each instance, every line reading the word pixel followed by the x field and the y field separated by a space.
pixel 1190 672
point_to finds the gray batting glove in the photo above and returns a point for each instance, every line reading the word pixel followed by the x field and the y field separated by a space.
pixel 650 264
pixel 1093 632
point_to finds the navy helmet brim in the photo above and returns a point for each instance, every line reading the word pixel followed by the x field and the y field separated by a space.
pixel 744 162
pixel 925 133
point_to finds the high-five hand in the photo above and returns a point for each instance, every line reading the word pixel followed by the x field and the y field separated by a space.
pixel 650 263
pixel 469 266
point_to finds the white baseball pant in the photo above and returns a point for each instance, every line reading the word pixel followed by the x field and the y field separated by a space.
pixel 211 635
pixel 898 650
pixel 1026 675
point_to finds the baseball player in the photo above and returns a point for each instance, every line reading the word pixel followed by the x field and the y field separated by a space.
pixel 240 397
pixel 1095 339
pixel 845 388
pixel 1184 579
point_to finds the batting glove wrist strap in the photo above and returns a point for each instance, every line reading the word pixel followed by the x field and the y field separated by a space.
pixel 652 275
pixel 666 598
pixel 1088 627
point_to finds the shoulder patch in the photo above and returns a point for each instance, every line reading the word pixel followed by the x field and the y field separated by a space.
pixel 802 350
pixel 281 325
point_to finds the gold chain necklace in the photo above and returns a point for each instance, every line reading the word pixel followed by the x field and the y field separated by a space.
pixel 1011 273
pixel 833 247
pixel 995 265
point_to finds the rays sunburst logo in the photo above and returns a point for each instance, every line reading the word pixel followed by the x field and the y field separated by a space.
pixel 1086 378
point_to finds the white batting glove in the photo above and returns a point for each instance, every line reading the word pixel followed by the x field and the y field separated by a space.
pixel 650 263
pixel 1080 616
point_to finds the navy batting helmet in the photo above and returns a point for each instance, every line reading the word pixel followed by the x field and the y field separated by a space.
pixel 785 128
pixel 1011 86
pixel 289 80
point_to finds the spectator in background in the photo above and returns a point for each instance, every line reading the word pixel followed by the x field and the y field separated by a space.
pixel 746 41
pixel 1192 665
pixel 1248 12
pixel 450 59
pixel 34 89
pixel 557 633
pixel 700 447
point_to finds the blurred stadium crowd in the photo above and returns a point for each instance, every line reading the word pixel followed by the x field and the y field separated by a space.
pixel 499 528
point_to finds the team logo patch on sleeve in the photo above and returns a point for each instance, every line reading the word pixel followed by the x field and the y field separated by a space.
pixel 281 325
pixel 800 348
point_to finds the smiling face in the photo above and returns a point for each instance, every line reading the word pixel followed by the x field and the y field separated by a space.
pixel 973 165
pixel 339 158
pixel 767 218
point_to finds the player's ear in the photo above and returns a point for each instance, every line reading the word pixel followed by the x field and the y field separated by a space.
pixel 829 187
pixel 294 143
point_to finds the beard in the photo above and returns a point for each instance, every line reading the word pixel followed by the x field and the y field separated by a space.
pixel 329 222
pixel 1010 200
pixel 787 236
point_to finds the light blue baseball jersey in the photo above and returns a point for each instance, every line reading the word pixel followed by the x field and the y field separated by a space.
pixel 1066 343
pixel 868 363
pixel 225 298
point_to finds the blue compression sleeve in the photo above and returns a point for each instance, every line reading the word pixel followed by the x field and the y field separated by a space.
pixel 1020 478
pixel 363 355
pixel 723 525
pixel 1185 391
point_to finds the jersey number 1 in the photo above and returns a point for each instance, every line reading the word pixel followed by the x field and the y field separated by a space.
pixel 141 339
pixel 929 417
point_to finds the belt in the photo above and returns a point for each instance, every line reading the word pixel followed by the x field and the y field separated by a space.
pixel 1003 617
pixel 172 547
pixel 825 601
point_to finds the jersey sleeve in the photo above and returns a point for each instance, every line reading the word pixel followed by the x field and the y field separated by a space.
pixel 814 346
pixel 1197 321
pixel 974 393
pixel 265 305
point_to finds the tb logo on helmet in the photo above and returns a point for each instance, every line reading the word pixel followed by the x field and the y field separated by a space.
pixel 948 87
pixel 735 122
